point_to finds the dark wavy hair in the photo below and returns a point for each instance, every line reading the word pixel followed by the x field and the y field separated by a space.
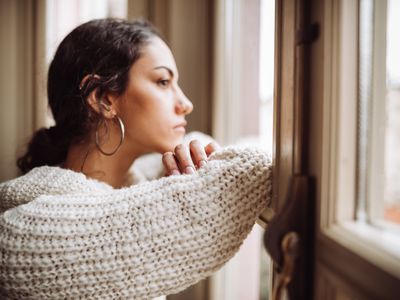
pixel 105 50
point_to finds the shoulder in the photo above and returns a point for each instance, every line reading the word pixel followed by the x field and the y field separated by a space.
pixel 46 180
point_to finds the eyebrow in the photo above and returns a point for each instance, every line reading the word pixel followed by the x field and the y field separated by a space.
pixel 171 73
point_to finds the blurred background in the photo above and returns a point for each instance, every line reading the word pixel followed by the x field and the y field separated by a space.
pixel 224 51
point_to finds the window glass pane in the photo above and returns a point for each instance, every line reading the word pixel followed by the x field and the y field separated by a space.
pixel 267 42
pixel 244 110
pixel 392 130
pixel 378 155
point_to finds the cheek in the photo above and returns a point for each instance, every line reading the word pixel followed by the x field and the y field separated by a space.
pixel 147 110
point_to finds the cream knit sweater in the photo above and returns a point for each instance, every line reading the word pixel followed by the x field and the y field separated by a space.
pixel 63 236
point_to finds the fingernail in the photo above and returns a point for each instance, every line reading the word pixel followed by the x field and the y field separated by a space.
pixel 202 163
pixel 189 170
pixel 175 172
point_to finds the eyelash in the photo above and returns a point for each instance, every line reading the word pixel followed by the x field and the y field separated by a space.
pixel 163 82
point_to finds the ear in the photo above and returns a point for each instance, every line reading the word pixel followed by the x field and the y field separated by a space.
pixel 106 105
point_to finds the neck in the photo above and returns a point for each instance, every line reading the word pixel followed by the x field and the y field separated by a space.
pixel 114 169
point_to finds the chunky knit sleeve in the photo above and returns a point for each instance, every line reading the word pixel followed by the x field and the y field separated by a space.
pixel 151 239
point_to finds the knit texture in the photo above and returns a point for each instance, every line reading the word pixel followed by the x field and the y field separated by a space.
pixel 63 236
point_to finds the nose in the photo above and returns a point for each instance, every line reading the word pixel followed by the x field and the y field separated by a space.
pixel 183 104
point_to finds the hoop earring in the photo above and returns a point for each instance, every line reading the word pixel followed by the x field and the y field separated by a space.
pixel 122 129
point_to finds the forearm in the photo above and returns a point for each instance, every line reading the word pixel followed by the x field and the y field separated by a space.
pixel 151 239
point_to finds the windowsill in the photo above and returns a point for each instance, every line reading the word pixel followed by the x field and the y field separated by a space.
pixel 387 226
pixel 380 247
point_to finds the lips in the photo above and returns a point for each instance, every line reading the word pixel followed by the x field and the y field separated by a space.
pixel 181 125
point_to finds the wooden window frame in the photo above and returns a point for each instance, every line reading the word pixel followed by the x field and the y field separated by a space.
pixel 362 252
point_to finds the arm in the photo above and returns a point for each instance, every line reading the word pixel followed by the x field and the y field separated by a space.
pixel 149 167
pixel 140 242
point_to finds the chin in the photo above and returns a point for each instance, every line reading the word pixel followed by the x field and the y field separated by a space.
pixel 171 144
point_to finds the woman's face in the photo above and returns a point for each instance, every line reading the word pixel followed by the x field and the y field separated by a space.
pixel 153 107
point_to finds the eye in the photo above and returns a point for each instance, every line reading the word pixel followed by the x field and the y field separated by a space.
pixel 163 82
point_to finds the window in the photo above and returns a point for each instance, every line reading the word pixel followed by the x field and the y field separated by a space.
pixel 379 101
pixel 378 164
pixel 392 128
pixel 243 114
pixel 360 180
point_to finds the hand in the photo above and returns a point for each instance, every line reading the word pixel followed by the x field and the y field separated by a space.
pixel 186 159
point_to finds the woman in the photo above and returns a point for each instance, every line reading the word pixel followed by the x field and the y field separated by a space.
pixel 76 225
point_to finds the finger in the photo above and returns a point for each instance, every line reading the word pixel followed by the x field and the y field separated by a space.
pixel 211 147
pixel 184 159
pixel 170 164
pixel 199 156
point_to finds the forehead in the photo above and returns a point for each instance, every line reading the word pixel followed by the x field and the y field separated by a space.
pixel 154 54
